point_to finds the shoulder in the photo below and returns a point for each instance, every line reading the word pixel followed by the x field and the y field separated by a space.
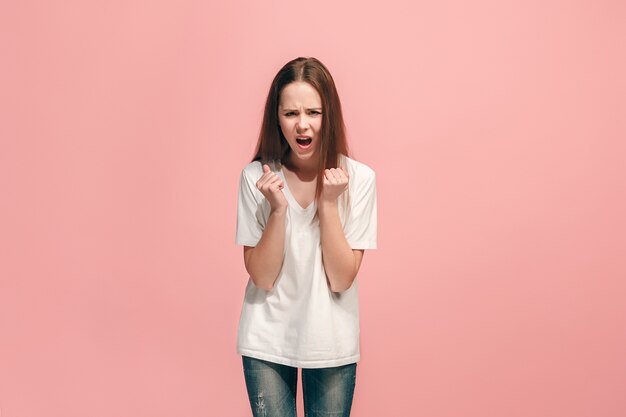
pixel 253 170
pixel 358 171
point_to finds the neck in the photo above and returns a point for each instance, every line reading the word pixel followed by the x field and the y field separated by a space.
pixel 308 167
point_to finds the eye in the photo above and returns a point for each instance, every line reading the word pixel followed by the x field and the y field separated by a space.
pixel 291 113
pixel 315 112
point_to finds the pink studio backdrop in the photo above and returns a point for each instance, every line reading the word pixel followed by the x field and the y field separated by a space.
pixel 497 132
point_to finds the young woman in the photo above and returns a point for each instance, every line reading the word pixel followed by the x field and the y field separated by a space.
pixel 306 212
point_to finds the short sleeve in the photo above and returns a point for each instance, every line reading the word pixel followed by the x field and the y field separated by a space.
pixel 250 224
pixel 361 226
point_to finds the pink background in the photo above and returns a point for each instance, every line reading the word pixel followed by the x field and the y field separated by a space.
pixel 497 132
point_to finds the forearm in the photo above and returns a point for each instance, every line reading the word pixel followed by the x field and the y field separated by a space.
pixel 338 256
pixel 265 260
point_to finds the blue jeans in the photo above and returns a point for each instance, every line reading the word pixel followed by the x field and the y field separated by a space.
pixel 272 389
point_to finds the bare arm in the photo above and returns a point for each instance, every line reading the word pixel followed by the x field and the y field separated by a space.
pixel 265 260
pixel 341 262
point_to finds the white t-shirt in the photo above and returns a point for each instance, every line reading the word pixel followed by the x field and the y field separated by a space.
pixel 300 322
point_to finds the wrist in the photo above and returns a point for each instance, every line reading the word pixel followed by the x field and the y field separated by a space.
pixel 278 212
pixel 326 205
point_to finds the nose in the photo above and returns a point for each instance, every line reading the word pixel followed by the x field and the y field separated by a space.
pixel 302 122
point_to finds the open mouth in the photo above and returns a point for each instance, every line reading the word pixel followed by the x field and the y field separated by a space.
pixel 304 141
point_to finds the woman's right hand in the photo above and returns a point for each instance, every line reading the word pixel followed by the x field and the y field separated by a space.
pixel 271 186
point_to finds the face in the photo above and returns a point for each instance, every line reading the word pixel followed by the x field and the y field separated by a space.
pixel 300 119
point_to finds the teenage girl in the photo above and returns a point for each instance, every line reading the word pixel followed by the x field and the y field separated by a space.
pixel 306 212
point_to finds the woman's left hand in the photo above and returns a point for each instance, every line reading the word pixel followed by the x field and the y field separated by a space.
pixel 335 182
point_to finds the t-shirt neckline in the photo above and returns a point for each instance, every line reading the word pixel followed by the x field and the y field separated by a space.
pixel 290 196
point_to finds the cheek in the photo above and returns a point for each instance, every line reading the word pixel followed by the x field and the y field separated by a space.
pixel 284 125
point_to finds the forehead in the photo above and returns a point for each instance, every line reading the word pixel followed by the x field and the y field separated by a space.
pixel 299 94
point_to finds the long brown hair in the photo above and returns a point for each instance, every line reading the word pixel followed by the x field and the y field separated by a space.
pixel 272 144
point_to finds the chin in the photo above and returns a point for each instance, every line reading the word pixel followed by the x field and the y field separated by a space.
pixel 308 154
pixel 305 156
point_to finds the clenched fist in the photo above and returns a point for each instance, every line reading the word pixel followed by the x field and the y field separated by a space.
pixel 271 186
pixel 335 182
